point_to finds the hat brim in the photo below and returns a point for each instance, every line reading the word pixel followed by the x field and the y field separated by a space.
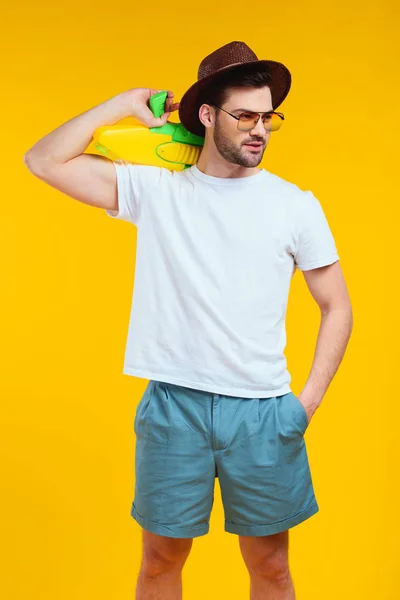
pixel 190 103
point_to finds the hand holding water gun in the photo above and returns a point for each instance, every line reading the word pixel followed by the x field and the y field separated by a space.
pixel 141 98
pixel 151 139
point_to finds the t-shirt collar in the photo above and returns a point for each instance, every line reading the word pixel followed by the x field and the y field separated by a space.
pixel 229 181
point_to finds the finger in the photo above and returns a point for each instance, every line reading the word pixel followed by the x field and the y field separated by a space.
pixel 159 121
pixel 168 101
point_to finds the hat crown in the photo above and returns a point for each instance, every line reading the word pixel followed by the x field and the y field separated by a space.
pixel 233 53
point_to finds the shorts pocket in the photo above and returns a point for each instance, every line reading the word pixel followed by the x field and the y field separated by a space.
pixel 152 416
pixel 141 409
pixel 303 417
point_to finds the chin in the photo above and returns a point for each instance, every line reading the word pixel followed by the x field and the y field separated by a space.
pixel 250 164
pixel 252 161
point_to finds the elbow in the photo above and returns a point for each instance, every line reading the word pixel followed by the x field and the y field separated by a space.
pixel 32 162
pixel 345 309
pixel 28 161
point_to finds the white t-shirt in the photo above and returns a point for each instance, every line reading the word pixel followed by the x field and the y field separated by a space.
pixel 214 261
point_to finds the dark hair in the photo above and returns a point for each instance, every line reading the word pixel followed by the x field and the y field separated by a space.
pixel 241 76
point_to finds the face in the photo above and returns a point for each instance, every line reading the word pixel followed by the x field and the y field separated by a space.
pixel 228 140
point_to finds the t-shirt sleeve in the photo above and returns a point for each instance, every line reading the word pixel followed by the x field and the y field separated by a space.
pixel 315 245
pixel 134 183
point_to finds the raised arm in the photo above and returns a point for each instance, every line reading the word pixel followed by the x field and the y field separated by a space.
pixel 59 160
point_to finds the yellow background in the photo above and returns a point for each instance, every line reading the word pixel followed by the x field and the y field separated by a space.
pixel 67 411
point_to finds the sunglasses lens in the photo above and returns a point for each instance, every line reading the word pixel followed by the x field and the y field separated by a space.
pixel 247 121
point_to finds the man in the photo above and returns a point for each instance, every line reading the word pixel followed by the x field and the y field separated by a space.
pixel 218 245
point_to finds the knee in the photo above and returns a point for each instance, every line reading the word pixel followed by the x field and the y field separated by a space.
pixel 273 568
pixel 165 555
pixel 266 557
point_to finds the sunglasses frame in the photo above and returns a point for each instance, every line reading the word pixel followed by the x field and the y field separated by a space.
pixel 260 114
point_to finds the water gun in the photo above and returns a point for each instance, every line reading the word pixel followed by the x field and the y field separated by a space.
pixel 170 146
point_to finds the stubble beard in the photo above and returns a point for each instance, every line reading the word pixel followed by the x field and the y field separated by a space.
pixel 233 154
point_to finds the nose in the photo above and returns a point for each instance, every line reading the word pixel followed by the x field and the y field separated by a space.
pixel 259 129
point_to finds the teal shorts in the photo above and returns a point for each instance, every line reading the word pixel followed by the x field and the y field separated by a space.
pixel 185 438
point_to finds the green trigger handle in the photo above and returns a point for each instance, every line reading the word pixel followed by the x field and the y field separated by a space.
pixel 157 103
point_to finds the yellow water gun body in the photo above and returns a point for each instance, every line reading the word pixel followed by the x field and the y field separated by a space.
pixel 170 146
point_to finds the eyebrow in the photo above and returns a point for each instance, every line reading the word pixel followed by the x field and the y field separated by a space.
pixel 248 110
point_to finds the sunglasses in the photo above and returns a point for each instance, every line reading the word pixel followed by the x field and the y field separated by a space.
pixel 247 120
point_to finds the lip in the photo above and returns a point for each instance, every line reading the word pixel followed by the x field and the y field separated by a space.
pixel 254 146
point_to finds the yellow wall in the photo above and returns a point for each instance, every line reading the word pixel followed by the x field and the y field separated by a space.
pixel 67 442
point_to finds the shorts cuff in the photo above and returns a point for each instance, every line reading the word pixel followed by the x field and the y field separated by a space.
pixel 174 531
pixel 277 527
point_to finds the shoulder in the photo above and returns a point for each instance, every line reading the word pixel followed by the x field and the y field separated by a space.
pixel 286 187
pixel 147 176
pixel 292 195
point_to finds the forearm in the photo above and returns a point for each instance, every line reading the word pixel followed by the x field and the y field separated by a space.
pixel 333 336
pixel 72 138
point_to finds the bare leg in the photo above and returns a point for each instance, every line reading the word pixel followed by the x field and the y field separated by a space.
pixel 278 588
pixel 167 586
pixel 266 558
pixel 160 576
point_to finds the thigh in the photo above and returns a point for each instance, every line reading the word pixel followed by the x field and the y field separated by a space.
pixel 174 464
pixel 265 478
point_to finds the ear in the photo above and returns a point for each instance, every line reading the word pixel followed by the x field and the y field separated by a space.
pixel 207 115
